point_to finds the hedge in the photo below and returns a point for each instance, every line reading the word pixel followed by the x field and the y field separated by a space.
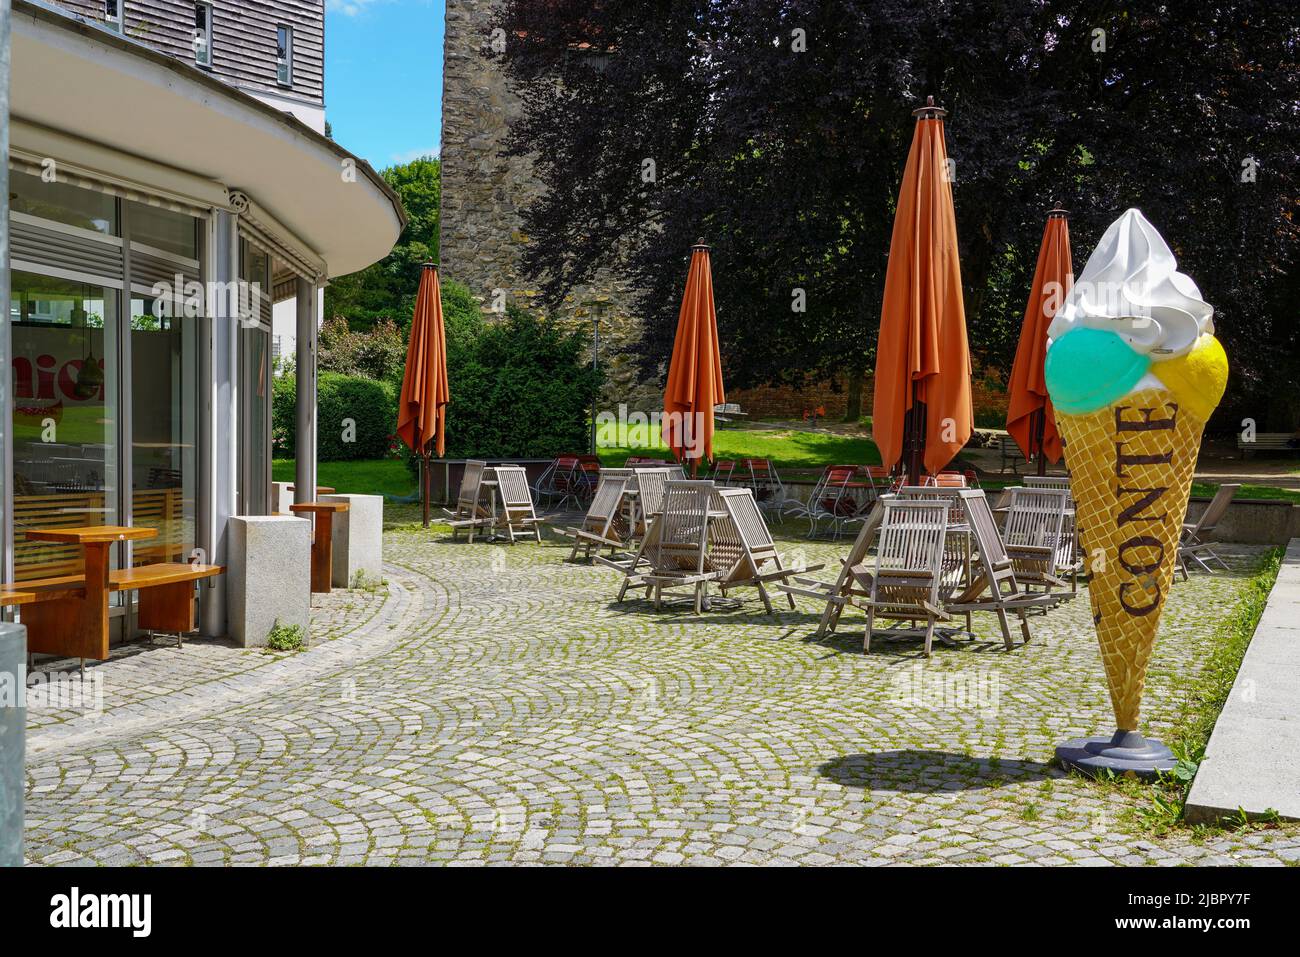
pixel 355 417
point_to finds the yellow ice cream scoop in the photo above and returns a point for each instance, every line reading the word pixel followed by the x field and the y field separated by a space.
pixel 1197 378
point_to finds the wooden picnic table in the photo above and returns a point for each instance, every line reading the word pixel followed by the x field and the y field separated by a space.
pixel 322 541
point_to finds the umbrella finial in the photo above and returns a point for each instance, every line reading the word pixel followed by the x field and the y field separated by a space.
pixel 429 264
pixel 1056 212
pixel 700 244
pixel 929 111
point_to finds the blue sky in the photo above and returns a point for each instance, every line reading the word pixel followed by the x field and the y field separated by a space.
pixel 383 77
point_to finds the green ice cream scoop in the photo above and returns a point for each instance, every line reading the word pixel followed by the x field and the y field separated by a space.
pixel 1087 369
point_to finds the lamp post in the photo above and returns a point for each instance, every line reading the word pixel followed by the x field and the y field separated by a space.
pixel 597 308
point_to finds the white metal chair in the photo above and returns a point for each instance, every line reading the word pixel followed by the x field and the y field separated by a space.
pixel 1192 543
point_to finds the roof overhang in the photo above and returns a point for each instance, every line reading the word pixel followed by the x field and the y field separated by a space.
pixel 91 83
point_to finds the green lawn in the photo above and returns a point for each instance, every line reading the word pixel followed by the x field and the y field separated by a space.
pixel 361 477
pixel 788 449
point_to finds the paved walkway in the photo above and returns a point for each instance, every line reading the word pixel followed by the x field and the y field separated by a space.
pixel 498 708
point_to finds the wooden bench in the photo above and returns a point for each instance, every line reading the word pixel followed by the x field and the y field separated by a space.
pixel 1010 451
pixel 1268 442
pixel 67 615
pixel 727 411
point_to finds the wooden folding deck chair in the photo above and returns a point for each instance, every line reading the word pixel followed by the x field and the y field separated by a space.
pixel 905 581
pixel 649 501
pixel 844 591
pixel 1037 537
pixel 605 525
pixel 1192 544
pixel 674 554
pixel 994 587
pixel 517 514
pixel 742 548
pixel 470 512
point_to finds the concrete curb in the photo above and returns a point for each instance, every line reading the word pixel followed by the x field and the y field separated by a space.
pixel 1252 762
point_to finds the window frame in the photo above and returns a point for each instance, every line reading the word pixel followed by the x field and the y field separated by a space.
pixel 284 64
pixel 115 22
pixel 206 62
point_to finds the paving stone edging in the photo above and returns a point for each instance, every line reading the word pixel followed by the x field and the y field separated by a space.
pixel 389 625
pixel 1252 762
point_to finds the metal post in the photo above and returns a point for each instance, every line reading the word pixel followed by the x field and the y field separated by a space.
pixel 304 475
pixel 218 459
pixel 597 307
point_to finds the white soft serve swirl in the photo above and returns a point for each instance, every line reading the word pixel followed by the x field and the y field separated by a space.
pixel 1131 286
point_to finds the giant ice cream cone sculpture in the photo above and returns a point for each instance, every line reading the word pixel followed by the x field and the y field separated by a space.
pixel 1134 372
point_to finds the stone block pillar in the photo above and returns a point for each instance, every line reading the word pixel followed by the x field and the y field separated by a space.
pixel 268 575
pixel 358 538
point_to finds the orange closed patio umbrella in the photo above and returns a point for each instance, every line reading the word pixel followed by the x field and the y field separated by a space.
pixel 422 409
pixel 695 372
pixel 1029 414
pixel 922 401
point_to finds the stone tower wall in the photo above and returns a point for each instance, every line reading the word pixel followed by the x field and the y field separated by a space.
pixel 484 195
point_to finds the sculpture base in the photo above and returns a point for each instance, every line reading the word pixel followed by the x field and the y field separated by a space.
pixel 1122 752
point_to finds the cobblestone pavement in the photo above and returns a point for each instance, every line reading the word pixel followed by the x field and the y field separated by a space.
pixel 498 707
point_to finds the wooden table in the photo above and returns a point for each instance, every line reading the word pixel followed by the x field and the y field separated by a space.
pixel 322 541
pixel 79 627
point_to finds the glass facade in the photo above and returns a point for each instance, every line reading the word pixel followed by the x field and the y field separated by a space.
pixel 105 360
pixel 66 417
pixel 255 373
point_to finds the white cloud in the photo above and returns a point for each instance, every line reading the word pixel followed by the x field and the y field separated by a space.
pixel 349 8
pixel 407 156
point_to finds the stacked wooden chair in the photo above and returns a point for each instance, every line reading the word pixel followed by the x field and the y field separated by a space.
pixel 674 552
pixel 470 514
pixel 650 486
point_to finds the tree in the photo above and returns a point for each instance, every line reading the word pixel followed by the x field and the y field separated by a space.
pixel 386 289
pixel 777 130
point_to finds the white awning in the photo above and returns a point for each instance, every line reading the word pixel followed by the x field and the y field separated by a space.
pixel 75 78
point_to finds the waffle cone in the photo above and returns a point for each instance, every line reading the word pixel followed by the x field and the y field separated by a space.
pixel 1131 468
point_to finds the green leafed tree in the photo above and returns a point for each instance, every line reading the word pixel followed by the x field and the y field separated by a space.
pixel 386 289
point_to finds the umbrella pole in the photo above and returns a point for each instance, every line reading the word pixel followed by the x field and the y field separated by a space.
pixel 424 484
pixel 1040 429
pixel 914 433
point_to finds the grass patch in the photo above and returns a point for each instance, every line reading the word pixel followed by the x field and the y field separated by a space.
pixel 1162 806
pixel 1268 492
pixel 787 448
pixel 358 477
pixel 286 638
